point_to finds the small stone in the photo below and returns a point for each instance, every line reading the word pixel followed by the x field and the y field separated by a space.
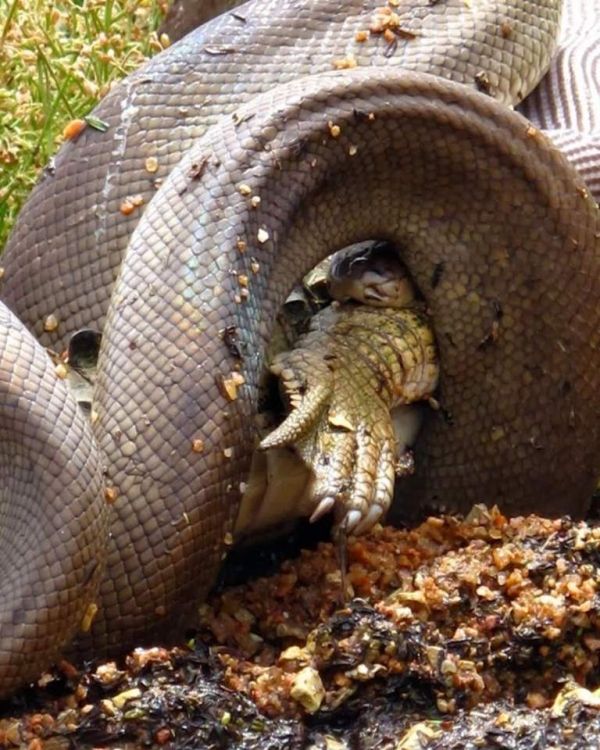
pixel 345 63
pixel 197 445
pixel 229 384
pixel 571 694
pixel 414 738
pixel 294 653
pixel 108 707
pixel 130 203
pixel 110 495
pixel 127 695
pixel 50 323
pixel 307 689
pixel 108 674
pixel 126 207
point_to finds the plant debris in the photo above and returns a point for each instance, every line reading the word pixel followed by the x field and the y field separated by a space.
pixel 57 60
pixel 474 633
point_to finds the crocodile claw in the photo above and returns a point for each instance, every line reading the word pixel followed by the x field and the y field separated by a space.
pixel 340 384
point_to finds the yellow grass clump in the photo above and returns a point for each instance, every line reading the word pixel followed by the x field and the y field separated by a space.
pixel 56 61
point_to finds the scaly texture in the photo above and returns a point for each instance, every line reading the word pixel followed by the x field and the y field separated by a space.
pixel 510 378
pixel 184 16
pixel 567 103
pixel 68 244
pixel 496 228
pixel 341 381
pixel 53 516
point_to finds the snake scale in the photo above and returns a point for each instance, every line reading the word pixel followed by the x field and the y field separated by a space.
pixel 499 232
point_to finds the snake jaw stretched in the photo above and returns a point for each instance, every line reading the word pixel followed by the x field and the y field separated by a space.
pixel 309 205
pixel 374 275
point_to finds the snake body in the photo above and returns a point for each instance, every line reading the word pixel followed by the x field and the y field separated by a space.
pixel 499 232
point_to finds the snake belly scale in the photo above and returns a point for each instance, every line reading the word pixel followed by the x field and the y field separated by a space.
pixel 498 230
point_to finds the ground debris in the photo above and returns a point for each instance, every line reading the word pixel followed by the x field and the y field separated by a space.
pixel 162 699
pixel 400 725
pixel 477 610
pixel 474 633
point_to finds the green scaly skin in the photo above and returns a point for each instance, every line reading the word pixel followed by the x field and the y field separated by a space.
pixel 340 382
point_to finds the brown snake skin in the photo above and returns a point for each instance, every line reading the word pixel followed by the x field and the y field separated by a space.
pixel 498 230
pixel 184 16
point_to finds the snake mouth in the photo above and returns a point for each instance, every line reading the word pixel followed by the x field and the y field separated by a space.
pixel 346 357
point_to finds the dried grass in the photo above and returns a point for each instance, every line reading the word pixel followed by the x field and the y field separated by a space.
pixel 56 61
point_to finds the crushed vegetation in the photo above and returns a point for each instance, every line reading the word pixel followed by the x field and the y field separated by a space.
pixel 478 633
pixel 477 609
pixel 56 61
pixel 474 633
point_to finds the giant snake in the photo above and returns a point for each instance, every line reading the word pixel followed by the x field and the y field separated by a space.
pixel 498 230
